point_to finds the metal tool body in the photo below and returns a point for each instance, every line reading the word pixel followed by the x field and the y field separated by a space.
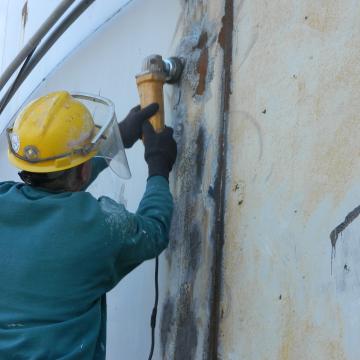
pixel 157 71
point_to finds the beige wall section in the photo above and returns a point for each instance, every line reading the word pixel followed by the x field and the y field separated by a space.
pixel 294 174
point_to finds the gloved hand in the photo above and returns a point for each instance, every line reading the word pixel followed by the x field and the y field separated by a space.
pixel 131 126
pixel 160 150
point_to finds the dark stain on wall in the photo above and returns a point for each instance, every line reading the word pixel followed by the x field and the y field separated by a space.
pixel 167 322
pixel 186 336
pixel 225 40
pixel 334 235
pixel 195 248
pixel 200 155
pixel 179 319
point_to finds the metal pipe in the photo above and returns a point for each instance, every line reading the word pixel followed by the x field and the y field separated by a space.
pixel 34 41
pixel 42 50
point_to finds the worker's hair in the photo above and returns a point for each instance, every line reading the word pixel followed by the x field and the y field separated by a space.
pixel 66 180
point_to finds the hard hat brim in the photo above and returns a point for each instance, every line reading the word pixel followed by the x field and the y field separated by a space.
pixel 49 166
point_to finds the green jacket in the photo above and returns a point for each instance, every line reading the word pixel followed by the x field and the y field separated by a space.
pixel 60 253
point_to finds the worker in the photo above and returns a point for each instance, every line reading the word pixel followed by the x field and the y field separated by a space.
pixel 61 249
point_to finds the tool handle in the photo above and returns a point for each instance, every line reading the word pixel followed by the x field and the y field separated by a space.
pixel 150 88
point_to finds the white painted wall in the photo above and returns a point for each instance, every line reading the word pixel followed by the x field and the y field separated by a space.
pixel 106 63
pixel 297 167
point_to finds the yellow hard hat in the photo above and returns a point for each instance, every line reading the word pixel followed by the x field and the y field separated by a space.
pixel 51 133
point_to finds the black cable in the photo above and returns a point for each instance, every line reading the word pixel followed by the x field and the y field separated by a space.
pixel 5 99
pixel 154 311
pixel 34 40
pixel 44 47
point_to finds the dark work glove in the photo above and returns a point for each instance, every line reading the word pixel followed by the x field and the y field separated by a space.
pixel 131 126
pixel 160 150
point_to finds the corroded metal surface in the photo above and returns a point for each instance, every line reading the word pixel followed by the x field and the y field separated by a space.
pixel 189 326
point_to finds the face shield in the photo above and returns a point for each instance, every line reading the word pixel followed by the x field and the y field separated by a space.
pixel 107 141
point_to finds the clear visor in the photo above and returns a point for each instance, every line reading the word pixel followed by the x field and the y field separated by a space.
pixel 107 140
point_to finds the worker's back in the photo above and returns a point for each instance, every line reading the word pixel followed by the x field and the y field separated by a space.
pixel 60 253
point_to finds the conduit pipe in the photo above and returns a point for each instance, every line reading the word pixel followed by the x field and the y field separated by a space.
pixel 34 41
pixel 43 49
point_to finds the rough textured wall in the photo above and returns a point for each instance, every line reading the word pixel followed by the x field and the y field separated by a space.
pixel 189 322
pixel 291 256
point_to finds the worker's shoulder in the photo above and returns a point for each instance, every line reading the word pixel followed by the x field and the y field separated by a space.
pixel 79 200
pixel 115 212
pixel 110 207
pixel 5 186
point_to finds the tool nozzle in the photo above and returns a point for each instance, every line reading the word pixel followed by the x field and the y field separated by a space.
pixel 171 68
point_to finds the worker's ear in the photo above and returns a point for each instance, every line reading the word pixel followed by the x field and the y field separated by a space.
pixel 85 172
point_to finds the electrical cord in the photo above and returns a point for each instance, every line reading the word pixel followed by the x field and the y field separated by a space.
pixel 154 311
pixel 34 40
pixel 5 100
pixel 42 48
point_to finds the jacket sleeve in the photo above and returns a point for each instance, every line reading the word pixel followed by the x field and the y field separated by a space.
pixel 143 235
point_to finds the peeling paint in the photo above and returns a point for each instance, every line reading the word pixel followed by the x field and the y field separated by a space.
pixel 199 68
pixel 202 64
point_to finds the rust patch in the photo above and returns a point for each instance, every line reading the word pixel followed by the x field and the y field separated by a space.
pixel 203 63
pixel 225 40
pixel 222 34
pixel 202 41
pixel 24 14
